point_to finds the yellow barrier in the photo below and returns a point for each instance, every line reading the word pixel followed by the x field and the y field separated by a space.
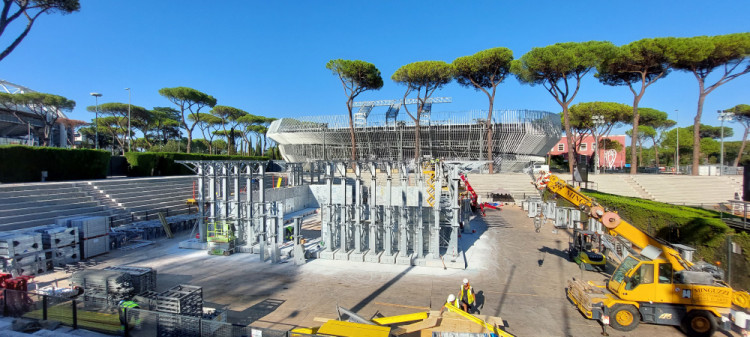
pixel 401 318
pixel 349 329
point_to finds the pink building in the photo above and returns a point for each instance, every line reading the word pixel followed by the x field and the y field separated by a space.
pixel 608 158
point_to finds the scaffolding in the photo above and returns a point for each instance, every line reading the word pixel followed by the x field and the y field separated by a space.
pixel 413 217
pixel 519 136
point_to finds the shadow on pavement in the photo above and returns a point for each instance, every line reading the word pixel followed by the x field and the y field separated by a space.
pixel 377 292
pixel 259 310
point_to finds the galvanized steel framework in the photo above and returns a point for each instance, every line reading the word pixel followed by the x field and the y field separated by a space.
pixel 411 225
pixel 394 222
pixel 520 136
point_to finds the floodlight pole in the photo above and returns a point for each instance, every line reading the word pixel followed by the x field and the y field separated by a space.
pixel 130 139
pixel 722 117
pixel 677 148
pixel 96 112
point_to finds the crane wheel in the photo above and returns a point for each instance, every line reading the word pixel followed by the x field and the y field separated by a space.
pixel 699 323
pixel 624 317
pixel 611 220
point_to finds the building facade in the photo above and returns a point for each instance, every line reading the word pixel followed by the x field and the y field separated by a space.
pixel 608 158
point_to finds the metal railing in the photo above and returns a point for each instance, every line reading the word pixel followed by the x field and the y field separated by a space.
pixel 149 214
pixel 80 313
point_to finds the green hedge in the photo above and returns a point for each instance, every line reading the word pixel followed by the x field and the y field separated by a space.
pixel 19 163
pixel 696 227
pixel 677 224
pixel 141 164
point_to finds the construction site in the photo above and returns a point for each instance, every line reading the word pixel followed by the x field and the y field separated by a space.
pixel 336 248
pixel 389 245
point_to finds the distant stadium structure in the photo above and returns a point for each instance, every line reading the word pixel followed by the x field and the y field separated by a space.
pixel 519 136
pixel 18 125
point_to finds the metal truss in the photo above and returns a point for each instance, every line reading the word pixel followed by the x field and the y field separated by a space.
pixel 365 107
pixel 13 88
pixel 519 136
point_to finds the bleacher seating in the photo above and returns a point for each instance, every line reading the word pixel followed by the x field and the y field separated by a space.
pixel 28 205
pixel 135 195
pixel 34 204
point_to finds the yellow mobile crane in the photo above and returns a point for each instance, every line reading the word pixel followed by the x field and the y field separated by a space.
pixel 655 285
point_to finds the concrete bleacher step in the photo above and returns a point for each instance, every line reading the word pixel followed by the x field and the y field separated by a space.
pixel 145 194
pixel 46 207
pixel 56 213
pixel 48 220
pixel 51 198
pixel 37 192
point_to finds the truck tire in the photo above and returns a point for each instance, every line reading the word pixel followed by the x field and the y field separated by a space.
pixel 624 317
pixel 699 323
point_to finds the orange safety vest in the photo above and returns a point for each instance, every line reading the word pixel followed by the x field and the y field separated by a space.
pixel 469 296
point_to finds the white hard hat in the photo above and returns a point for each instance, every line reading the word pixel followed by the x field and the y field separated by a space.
pixel 451 298
pixel 466 281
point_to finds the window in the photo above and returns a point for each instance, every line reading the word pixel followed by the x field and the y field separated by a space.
pixel 665 273
pixel 561 147
pixel 583 147
pixel 644 275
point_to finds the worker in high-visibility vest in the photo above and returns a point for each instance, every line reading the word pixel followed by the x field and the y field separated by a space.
pixel 288 233
pixel 123 309
pixel 466 295
pixel 451 300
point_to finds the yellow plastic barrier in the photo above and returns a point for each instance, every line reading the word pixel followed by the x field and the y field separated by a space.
pixel 401 318
pixel 349 329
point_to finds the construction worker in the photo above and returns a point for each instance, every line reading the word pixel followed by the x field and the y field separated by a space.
pixel 466 295
pixel 288 233
pixel 123 308
pixel 451 300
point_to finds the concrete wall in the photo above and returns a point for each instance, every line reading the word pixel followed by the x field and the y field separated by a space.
pixel 295 198
pixel 396 197
pixel 320 194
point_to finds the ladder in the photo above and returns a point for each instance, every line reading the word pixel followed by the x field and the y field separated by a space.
pixel 430 173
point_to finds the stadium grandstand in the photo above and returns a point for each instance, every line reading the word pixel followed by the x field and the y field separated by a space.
pixel 519 136
pixel 20 125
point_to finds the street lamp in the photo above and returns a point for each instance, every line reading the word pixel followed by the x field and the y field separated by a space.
pixel 598 121
pixel 677 148
pixel 96 98
pixel 130 139
pixel 723 116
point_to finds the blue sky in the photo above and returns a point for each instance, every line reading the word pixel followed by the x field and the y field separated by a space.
pixel 268 57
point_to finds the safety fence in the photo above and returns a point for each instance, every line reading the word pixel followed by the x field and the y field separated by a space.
pixel 107 319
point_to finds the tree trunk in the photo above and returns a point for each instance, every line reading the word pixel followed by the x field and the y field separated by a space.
pixel 697 129
pixel 416 137
pixel 634 135
pixel 742 147
pixel 45 135
pixel 351 128
pixel 189 138
pixel 489 138
pixel 640 152
pixel 231 150
pixel 656 154
pixel 569 137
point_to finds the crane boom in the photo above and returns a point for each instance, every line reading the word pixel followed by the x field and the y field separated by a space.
pixel 614 224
